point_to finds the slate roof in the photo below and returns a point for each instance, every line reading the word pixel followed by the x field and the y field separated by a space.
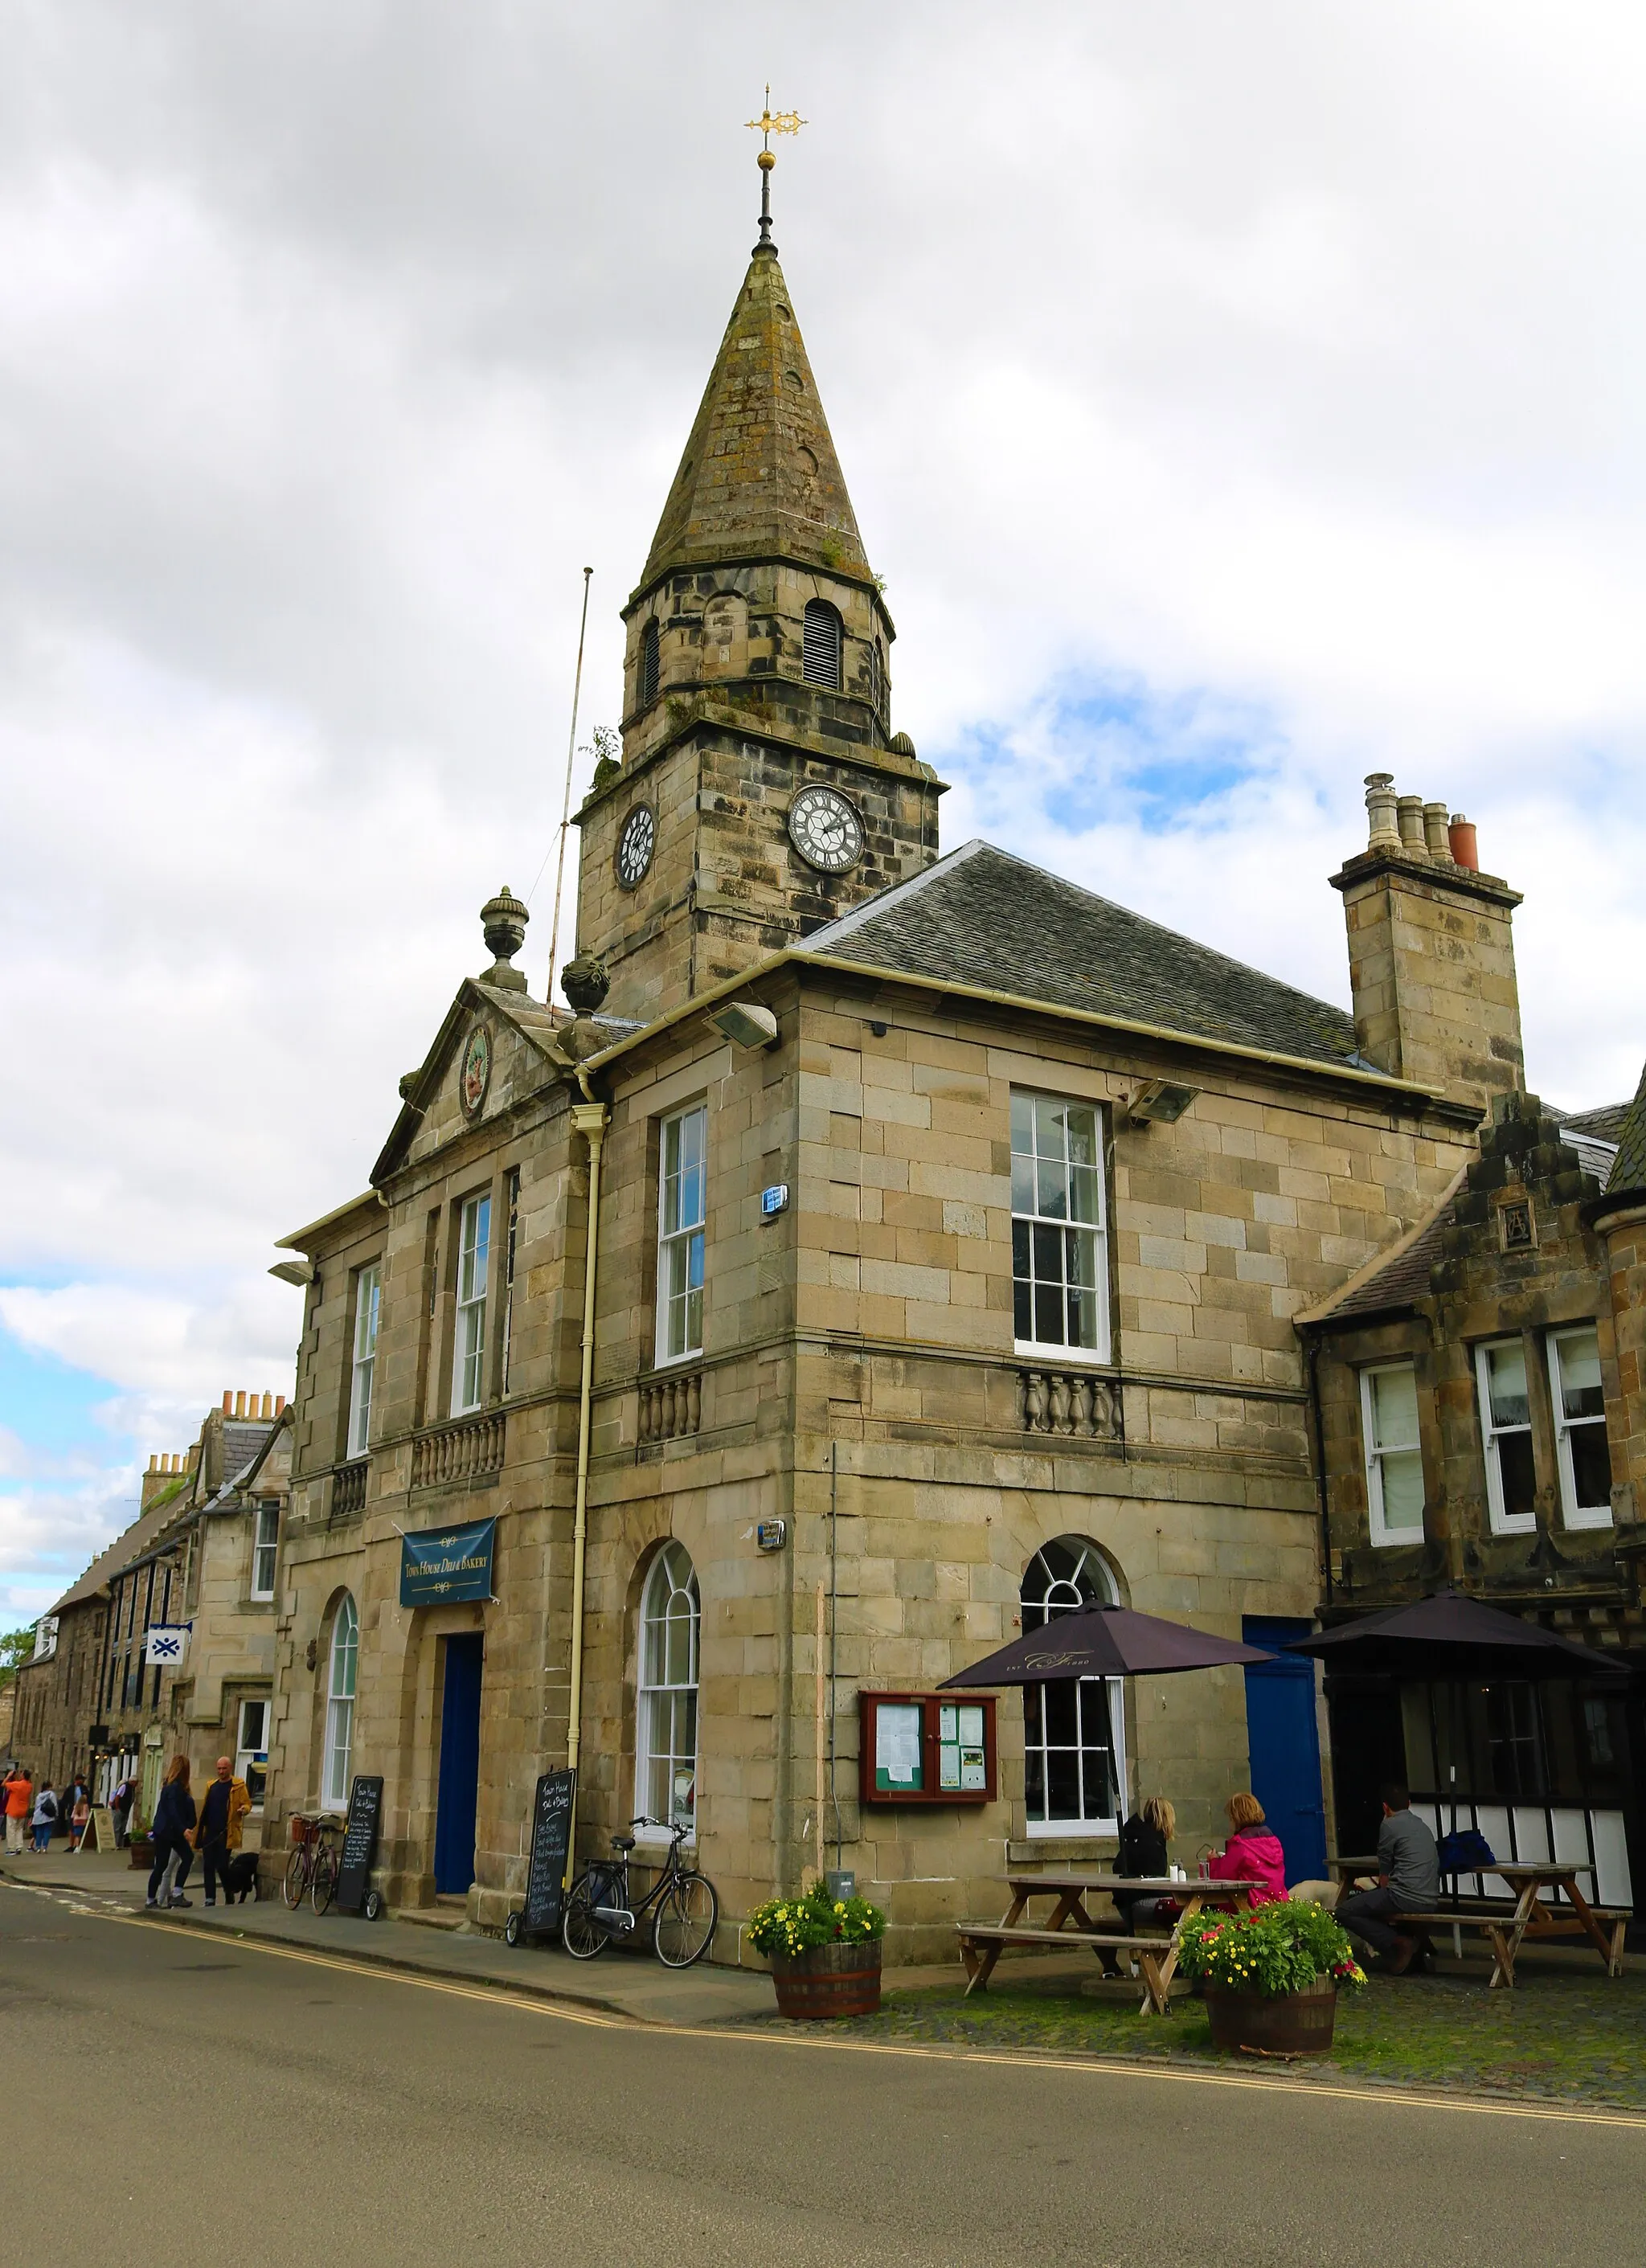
pixel 130 1544
pixel 981 917
pixel 1402 1280
pixel 1630 1170
pixel 1606 1119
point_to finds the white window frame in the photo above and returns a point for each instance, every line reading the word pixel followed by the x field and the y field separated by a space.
pixel 1501 1522
pixel 468 1338
pixel 1092 1561
pixel 265 1545
pixel 251 1754
pixel 681 1241
pixel 343 1661
pixel 368 1301
pixel 670 1597
pixel 1382 1533
pixel 1097 1230
pixel 1573 1513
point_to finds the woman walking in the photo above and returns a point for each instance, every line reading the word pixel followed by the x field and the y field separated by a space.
pixel 44 1817
pixel 174 1824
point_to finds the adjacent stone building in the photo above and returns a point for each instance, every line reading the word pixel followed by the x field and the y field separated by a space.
pixel 942 1230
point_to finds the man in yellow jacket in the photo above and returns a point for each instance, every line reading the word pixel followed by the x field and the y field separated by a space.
pixel 217 1836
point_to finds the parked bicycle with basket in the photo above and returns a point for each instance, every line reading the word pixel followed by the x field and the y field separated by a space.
pixel 311 1869
pixel 682 1903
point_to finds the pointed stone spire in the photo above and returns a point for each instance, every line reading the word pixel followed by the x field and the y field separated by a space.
pixel 759 478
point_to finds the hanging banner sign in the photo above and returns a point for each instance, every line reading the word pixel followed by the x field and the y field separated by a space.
pixel 165 1644
pixel 447 1564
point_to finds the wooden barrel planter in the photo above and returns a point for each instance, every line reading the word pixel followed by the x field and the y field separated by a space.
pixel 1274 2024
pixel 828 1980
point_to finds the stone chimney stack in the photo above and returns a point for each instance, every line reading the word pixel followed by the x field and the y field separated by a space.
pixel 1431 954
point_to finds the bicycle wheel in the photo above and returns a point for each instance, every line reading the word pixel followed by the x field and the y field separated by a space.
pixel 295 1880
pixel 582 1936
pixel 325 1886
pixel 686 1916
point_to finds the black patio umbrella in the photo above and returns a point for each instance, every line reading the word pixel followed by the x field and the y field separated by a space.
pixel 1104 1642
pixel 1451 1635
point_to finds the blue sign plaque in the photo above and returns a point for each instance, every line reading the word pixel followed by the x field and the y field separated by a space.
pixel 447 1564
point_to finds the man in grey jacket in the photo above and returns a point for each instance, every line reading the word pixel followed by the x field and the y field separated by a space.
pixel 1408 1881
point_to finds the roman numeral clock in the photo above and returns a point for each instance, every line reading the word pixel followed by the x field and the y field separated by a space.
pixel 825 829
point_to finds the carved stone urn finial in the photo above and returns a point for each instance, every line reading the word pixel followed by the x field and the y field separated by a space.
pixel 503 925
pixel 585 983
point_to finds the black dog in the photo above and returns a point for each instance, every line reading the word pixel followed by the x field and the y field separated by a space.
pixel 242 1881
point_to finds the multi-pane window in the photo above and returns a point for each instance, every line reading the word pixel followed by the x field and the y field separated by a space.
pixel 511 1186
pixel 251 1760
pixel 368 1299
pixel 1511 1481
pixel 474 1254
pixel 345 1649
pixel 681 1212
pixel 666 1747
pixel 820 644
pixel 1059 1274
pixel 1394 1461
pixel 1580 1427
pixel 265 1547
pixel 1073 1760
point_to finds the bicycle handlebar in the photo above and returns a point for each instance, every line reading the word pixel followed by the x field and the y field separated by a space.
pixel 644 1819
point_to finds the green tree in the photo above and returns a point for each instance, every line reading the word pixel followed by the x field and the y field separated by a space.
pixel 15 1647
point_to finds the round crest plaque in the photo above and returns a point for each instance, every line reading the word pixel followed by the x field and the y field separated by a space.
pixel 476 1075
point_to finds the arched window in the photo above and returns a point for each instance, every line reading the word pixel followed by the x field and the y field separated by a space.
pixel 666 1742
pixel 650 665
pixel 1074 1761
pixel 820 647
pixel 345 1649
pixel 877 678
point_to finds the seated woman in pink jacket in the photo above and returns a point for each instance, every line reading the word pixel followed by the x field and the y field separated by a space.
pixel 1252 1853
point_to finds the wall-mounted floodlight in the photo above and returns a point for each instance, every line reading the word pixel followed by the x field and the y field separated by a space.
pixel 746 1023
pixel 1157 1103
pixel 293 1272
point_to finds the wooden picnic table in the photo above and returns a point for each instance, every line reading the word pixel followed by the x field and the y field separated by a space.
pixel 1526 1915
pixel 981 1943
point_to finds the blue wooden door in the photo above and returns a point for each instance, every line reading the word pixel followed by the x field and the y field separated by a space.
pixel 459 1767
pixel 1284 1743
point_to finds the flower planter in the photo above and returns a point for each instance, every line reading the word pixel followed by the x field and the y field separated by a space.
pixel 1274 2024
pixel 142 1854
pixel 828 1980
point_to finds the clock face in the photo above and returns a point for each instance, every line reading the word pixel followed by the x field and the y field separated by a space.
pixel 635 845
pixel 825 829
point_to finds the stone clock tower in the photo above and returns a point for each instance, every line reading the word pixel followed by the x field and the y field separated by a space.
pixel 762 792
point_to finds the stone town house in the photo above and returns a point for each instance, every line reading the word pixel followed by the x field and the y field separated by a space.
pixel 949 1227
pixel 202 1551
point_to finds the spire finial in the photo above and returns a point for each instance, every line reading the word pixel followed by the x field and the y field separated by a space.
pixel 770 122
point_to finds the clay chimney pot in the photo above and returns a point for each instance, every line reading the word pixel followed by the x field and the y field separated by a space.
pixel 1464 849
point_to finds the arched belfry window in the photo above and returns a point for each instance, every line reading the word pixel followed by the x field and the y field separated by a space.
pixel 1073 1760
pixel 650 664
pixel 820 648
pixel 666 1734
pixel 877 677
pixel 341 1666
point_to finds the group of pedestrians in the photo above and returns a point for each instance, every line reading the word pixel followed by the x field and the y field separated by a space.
pixel 181 1830
pixel 34 1814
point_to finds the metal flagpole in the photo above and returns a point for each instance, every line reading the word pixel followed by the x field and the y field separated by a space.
pixel 565 810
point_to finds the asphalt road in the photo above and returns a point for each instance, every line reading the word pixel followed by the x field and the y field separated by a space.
pixel 166 2094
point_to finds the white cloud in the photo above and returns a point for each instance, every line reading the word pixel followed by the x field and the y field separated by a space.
pixel 1275 366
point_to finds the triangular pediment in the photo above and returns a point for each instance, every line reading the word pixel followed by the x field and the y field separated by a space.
pixel 493 1048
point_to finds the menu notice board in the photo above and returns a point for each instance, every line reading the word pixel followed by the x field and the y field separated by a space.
pixel 359 1841
pixel 551 1844
pixel 926 1748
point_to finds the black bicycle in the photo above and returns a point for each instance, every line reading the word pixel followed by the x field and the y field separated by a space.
pixel 681 1902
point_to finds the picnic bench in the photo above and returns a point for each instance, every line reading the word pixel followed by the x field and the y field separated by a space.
pixel 1529 1915
pixel 982 1943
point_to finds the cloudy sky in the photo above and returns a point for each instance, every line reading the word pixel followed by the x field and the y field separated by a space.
pixel 1236 401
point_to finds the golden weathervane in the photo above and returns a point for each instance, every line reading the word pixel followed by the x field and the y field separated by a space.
pixel 770 122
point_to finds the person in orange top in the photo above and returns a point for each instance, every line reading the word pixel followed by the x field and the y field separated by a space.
pixel 20 1802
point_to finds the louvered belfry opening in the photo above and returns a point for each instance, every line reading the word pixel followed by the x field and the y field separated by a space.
pixel 649 665
pixel 820 652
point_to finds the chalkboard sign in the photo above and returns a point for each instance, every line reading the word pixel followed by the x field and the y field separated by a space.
pixel 359 1840
pixel 551 1841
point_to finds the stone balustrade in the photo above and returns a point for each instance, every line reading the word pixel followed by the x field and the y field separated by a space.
pixel 670 1408
pixel 464 1452
pixel 348 1489
pixel 1076 1402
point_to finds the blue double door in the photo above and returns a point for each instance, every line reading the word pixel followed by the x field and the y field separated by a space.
pixel 458 1792
pixel 1284 1744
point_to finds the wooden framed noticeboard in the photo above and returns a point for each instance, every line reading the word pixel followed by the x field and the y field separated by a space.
pixel 926 1748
